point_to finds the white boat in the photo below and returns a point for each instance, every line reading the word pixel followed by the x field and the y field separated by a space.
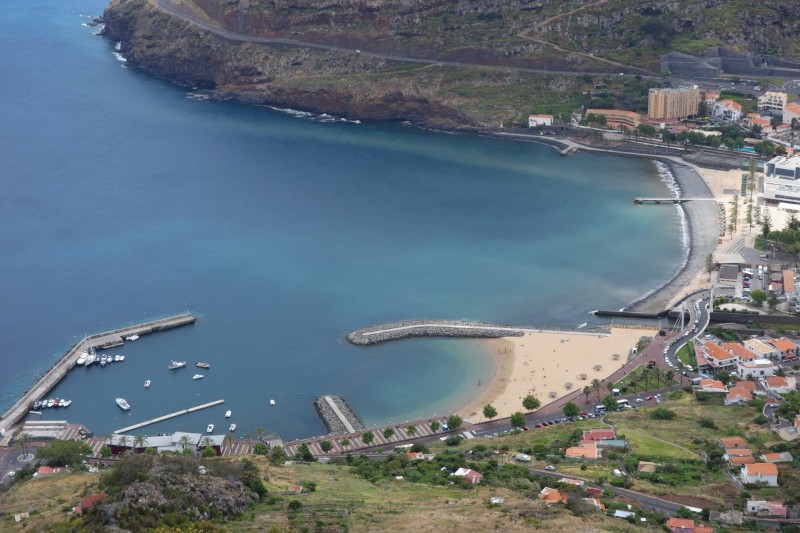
pixel 123 404
pixel 147 384
pixel 176 364
pixel 198 376
pixel 118 358
pixel 228 414
pixel 132 337
pixel 91 357
pixel 272 402
pixel 103 360
pixel 50 403
pixel 582 325
pixel 232 428
pixel 65 403
pixel 210 428
pixel 82 358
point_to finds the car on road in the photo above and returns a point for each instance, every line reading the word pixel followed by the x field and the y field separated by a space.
pixel 525 428
pixel 649 398
pixel 773 405
pixel 539 426
pixel 639 400
pixel 550 467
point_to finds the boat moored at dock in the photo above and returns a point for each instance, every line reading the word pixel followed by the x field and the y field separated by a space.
pixel 132 338
pixel 123 404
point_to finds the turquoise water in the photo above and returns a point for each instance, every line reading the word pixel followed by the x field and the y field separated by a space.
pixel 124 200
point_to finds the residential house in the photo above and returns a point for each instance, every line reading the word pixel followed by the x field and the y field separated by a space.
pixel 753 119
pixel 739 456
pixel 766 351
pixel 738 396
pixel 540 120
pixel 740 351
pixel 727 110
pixel 550 496
pixel 746 385
pixel 718 358
pixel 782 180
pixel 712 385
pixel 760 473
pixel 780 457
pixel 570 481
pixel 772 102
pixel 730 443
pixel 89 501
pixel 779 384
pixel 711 97
pixel 599 434
pixel 788 281
pixel 587 450
pixel 595 503
pixel 791 111
pixel 788 349
pixel 766 508
pixel 471 475
pixel 680 525
pixel 758 368
pixel 743 460
pixel 46 470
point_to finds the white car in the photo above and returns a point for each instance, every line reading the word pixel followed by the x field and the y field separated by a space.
pixel 550 467
pixel 639 400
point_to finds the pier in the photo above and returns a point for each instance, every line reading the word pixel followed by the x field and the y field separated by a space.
pixel 57 372
pixel 337 415
pixel 569 150
pixel 640 200
pixel 167 417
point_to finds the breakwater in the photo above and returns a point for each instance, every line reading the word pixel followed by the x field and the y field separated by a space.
pixel 337 415
pixel 430 328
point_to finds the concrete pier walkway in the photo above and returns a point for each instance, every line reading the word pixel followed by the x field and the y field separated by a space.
pixel 167 417
pixel 57 372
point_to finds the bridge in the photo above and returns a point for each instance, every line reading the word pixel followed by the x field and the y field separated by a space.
pixel 639 200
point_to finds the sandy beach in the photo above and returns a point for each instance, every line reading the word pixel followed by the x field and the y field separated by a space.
pixel 549 365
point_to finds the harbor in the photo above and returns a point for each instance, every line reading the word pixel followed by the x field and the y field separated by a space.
pixel 60 368
pixel 167 417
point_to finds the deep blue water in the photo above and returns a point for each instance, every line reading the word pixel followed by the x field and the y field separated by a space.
pixel 123 200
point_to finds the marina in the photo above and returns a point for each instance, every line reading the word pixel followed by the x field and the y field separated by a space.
pixel 90 343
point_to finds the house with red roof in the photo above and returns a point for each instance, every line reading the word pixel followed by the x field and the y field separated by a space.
pixel 550 496
pixel 738 396
pixel 746 385
pixel 680 525
pixel 760 473
pixel 779 384
pixel 788 349
pixel 727 110
pixel 780 457
pixel 47 471
pixel 765 508
pixel 766 351
pixel 740 351
pixel 471 475
pixel 89 501
pixel 718 358
pixel 712 385
pixel 599 434
pixel 587 450
pixel 758 368
pixel 730 443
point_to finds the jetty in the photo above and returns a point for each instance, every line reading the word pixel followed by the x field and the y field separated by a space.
pixel 669 200
pixel 98 341
pixel 569 150
pixel 337 416
pixel 430 328
pixel 167 417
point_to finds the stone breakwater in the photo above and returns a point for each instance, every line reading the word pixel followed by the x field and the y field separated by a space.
pixel 430 328
pixel 337 416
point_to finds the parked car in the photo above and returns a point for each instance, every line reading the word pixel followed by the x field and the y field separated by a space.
pixel 639 400
pixel 649 398
pixel 550 467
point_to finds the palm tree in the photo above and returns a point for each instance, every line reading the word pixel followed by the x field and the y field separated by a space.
pixel 587 390
pixel 138 441
pixel 185 441
pixel 645 375
pixel 596 387
pixel 259 433
pixel 122 440
pixel 229 441
pixel 411 430
pixel 679 366
pixel 669 375
pixel 632 384
pixel 207 442
pixel 23 441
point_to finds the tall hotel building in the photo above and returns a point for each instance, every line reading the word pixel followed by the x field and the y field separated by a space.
pixel 673 103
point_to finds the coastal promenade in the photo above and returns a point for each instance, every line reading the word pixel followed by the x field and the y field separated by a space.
pixel 57 372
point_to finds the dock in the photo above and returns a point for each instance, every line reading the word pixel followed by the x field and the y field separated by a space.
pixel 167 417
pixel 669 200
pixel 569 150
pixel 98 341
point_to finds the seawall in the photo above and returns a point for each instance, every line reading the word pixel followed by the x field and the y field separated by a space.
pixel 337 416
pixel 430 328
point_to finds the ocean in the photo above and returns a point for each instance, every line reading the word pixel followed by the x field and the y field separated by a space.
pixel 123 199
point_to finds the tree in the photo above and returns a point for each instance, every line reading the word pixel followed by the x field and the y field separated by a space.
pixel 775 122
pixel 387 433
pixel 662 413
pixel 367 437
pixel 596 387
pixel 571 409
pixel 759 297
pixel 228 440
pixel 710 265
pixel 325 445
pixel 185 440
pixel 646 129
pixel 259 433
pixel 454 422
pixel 304 453
pixel 610 403
pixel 679 366
pixel 772 302
pixel 766 223
pixel 435 425
pixel 587 390
pixel 277 455
pixel 724 376
pixel 530 402
pixel 489 411
pixel 139 441
pixel 259 448
pixel 669 375
pixel 123 440
pixel 105 452
pixel 344 442
pixel 63 452
pixel 208 452
pixel 517 420
pixel 412 430
pixel 792 223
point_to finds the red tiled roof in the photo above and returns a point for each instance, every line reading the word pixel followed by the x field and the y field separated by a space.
pixel 715 352
pixel 551 495
pixel 740 351
pixel 738 461
pixel 738 393
pixel 738 452
pixel 765 469
pixel 89 501
pixel 783 344
pixel 684 523
pixel 599 434
pixel 733 442
pixel 776 382
pixel 746 385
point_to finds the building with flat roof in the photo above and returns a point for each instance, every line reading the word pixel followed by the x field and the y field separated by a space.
pixel 758 368
pixel 772 102
pixel 790 110
pixel 540 120
pixel 673 103
pixel 616 118
pixel 782 179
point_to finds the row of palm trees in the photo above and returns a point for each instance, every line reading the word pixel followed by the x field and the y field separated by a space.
pixel 140 441
pixel 633 380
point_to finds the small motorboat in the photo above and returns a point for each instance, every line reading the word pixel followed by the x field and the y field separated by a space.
pixel 202 365
pixel 51 403
pixel 272 403
pixel 198 376
pixel 38 403
pixel 147 384
pixel 65 403
pixel 82 359
pixel 174 365
pixel 232 428
pixel 121 358
pixel 132 337
pixel 210 428
pixel 57 402
pixel 124 405
pixel 228 414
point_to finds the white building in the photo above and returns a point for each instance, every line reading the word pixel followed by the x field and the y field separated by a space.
pixel 772 102
pixel 540 120
pixel 758 368
pixel 782 179
pixel 760 473
pixel 790 111
pixel 727 110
